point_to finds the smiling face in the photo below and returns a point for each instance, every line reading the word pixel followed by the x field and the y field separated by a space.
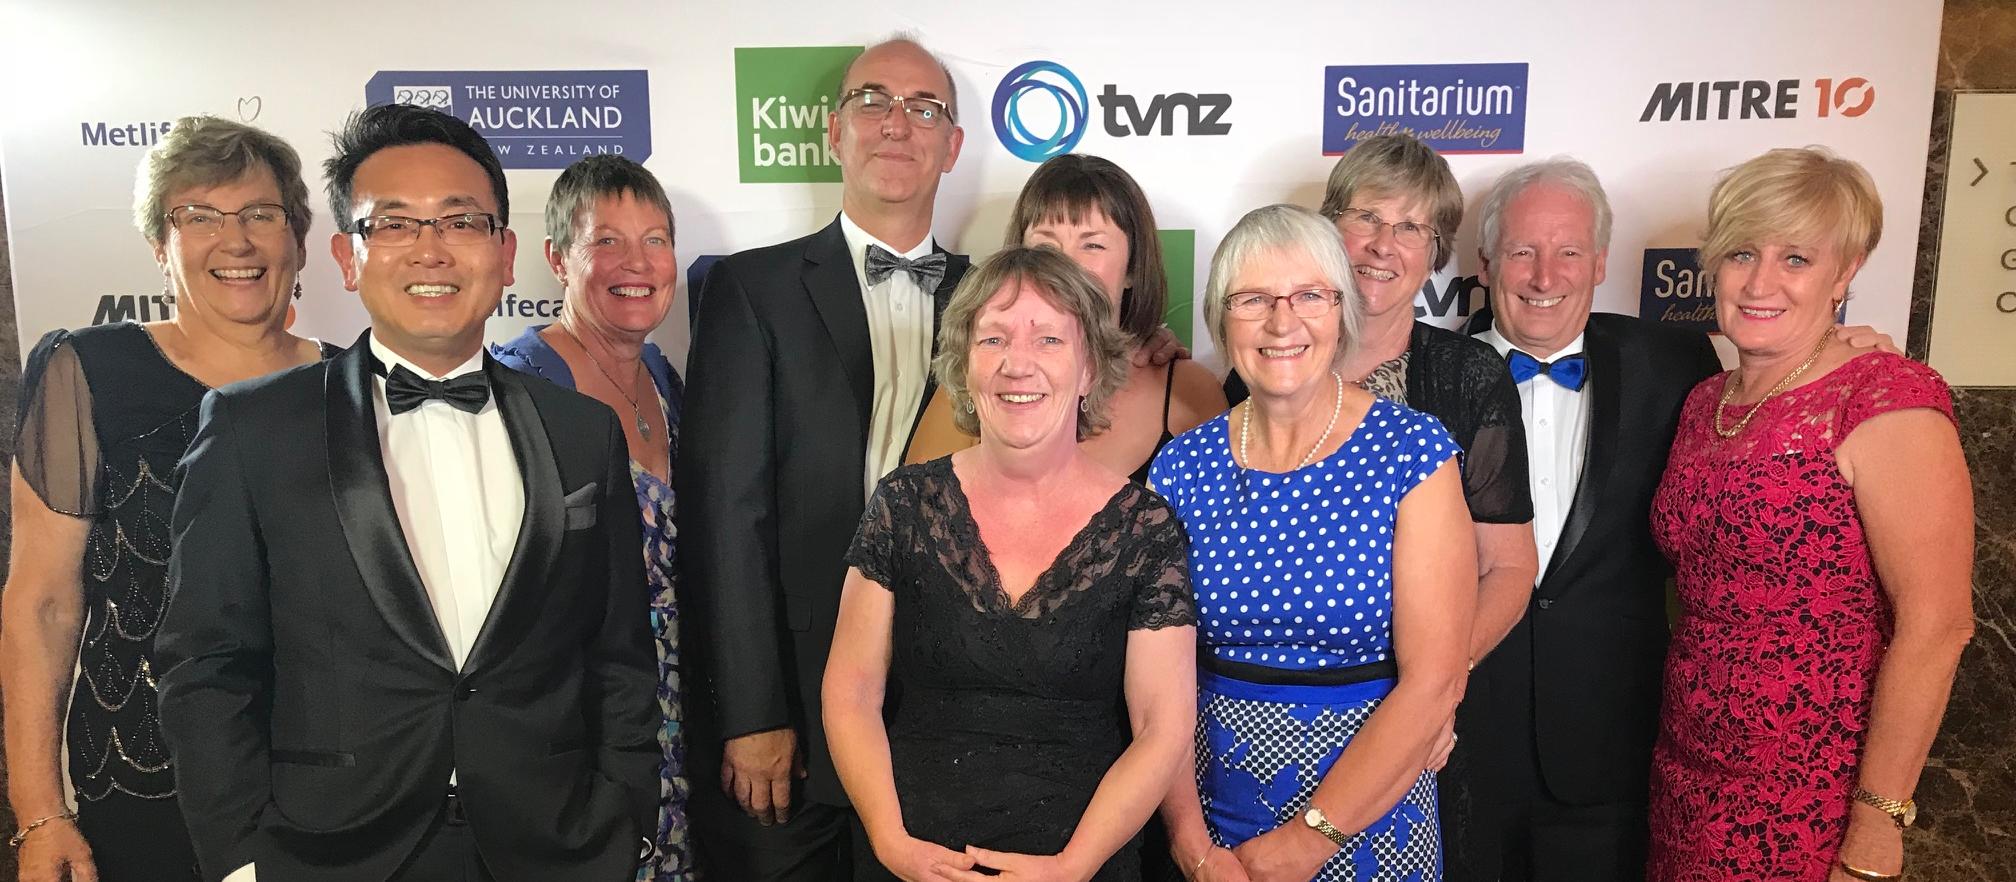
pixel 1281 354
pixel 1389 273
pixel 892 160
pixel 428 299
pixel 1027 370
pixel 1544 275
pixel 619 274
pixel 1094 242
pixel 1776 298
pixel 232 276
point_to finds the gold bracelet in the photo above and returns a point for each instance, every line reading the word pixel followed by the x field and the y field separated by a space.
pixel 22 835
pixel 1867 875
pixel 1200 863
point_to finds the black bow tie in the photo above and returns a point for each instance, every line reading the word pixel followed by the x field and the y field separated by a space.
pixel 926 271
pixel 405 390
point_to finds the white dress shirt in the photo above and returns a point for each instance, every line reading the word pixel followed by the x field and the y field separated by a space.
pixel 1557 441
pixel 460 499
pixel 899 336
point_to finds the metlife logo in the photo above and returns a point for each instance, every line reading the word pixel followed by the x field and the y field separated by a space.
pixel 534 118
pixel 1454 108
pixel 1695 101
pixel 1041 109
pixel 783 97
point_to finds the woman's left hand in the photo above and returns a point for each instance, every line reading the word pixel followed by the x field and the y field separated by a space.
pixel 1288 853
pixel 1014 868
pixel 1873 843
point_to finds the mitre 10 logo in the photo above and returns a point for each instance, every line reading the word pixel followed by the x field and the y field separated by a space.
pixel 1759 99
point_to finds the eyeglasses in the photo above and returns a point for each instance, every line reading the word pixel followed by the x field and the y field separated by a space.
pixel 455 229
pixel 1256 305
pixel 875 104
pixel 1360 222
pixel 204 220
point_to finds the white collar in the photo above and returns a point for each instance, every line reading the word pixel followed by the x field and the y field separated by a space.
pixel 859 239
pixel 1497 340
pixel 391 359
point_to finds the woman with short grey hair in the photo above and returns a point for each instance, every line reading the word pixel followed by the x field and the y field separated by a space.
pixel 105 415
pixel 609 242
pixel 1333 617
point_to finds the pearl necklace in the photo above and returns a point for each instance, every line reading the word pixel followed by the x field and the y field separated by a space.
pixel 1735 382
pixel 1245 428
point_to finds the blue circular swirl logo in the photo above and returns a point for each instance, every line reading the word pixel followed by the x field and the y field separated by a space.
pixel 1066 101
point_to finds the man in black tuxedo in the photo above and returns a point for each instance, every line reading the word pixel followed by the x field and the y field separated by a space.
pixel 1567 706
pixel 809 369
pixel 408 636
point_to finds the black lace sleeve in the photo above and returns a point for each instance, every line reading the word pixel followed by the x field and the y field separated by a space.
pixel 57 452
pixel 1463 383
pixel 1161 573
pixel 874 551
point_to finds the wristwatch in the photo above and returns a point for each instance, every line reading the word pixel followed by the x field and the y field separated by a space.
pixel 1904 813
pixel 1316 821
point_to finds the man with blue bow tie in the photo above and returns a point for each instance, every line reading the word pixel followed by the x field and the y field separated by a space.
pixel 1568 704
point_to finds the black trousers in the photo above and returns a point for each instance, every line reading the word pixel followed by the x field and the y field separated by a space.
pixel 447 853
pixel 819 844
pixel 137 840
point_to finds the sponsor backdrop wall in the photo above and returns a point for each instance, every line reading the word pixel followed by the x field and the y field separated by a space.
pixel 1216 109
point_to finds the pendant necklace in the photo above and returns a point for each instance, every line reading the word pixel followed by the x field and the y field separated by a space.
pixel 643 428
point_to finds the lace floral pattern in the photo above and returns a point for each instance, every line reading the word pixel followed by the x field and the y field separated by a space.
pixel 1783 626
pixel 1006 714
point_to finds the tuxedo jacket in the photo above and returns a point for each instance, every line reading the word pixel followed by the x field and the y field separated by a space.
pixel 311 701
pixel 780 388
pixel 1581 671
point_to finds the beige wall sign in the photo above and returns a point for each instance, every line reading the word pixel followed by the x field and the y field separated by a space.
pixel 1974 295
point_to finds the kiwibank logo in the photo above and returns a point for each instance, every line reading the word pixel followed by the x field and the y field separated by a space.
pixel 534 118
pixel 1049 94
pixel 783 95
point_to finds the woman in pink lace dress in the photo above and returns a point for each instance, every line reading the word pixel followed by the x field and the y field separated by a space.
pixel 1818 512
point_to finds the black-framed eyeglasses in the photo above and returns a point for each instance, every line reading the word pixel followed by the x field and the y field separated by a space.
pixel 875 104
pixel 455 229
pixel 197 219
pixel 1256 305
pixel 1360 222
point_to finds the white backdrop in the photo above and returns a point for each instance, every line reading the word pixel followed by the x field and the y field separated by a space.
pixel 1591 69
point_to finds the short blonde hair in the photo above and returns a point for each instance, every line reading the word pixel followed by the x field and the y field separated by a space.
pixel 1062 283
pixel 205 151
pixel 1805 193
pixel 1399 166
pixel 1273 229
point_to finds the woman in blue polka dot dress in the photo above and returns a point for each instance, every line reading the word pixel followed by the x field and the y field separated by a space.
pixel 1332 608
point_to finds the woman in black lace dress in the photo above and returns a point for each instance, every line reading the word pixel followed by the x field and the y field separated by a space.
pixel 106 413
pixel 1031 605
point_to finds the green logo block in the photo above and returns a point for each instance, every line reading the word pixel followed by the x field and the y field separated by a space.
pixel 782 96
pixel 1179 260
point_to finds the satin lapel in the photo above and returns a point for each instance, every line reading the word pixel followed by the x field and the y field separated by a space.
pixel 955 269
pixel 836 294
pixel 1607 371
pixel 529 574
pixel 364 506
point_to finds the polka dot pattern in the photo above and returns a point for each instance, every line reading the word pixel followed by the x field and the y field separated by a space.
pixel 1295 570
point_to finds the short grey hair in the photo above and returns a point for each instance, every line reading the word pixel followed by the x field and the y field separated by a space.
pixel 1273 229
pixel 951 84
pixel 1062 283
pixel 1562 171
pixel 587 182
pixel 205 151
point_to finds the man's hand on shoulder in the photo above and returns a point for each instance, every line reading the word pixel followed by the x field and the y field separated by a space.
pixel 757 770
pixel 1161 348
pixel 1866 337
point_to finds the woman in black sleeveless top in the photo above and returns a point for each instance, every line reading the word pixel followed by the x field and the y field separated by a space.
pixel 106 413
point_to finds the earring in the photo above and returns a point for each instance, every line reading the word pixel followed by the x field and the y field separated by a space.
pixel 1084 405
pixel 966 404
pixel 297 289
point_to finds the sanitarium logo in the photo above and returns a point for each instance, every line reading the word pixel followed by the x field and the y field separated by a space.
pixel 782 98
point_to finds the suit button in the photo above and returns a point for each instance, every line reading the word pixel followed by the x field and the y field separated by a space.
pixel 1546 603
pixel 463 693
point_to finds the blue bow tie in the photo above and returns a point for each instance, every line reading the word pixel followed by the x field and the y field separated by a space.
pixel 1568 373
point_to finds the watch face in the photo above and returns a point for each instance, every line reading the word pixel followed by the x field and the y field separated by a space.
pixel 1910 813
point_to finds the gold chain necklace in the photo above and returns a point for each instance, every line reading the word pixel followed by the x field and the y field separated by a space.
pixel 643 428
pixel 1734 383
pixel 1335 409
